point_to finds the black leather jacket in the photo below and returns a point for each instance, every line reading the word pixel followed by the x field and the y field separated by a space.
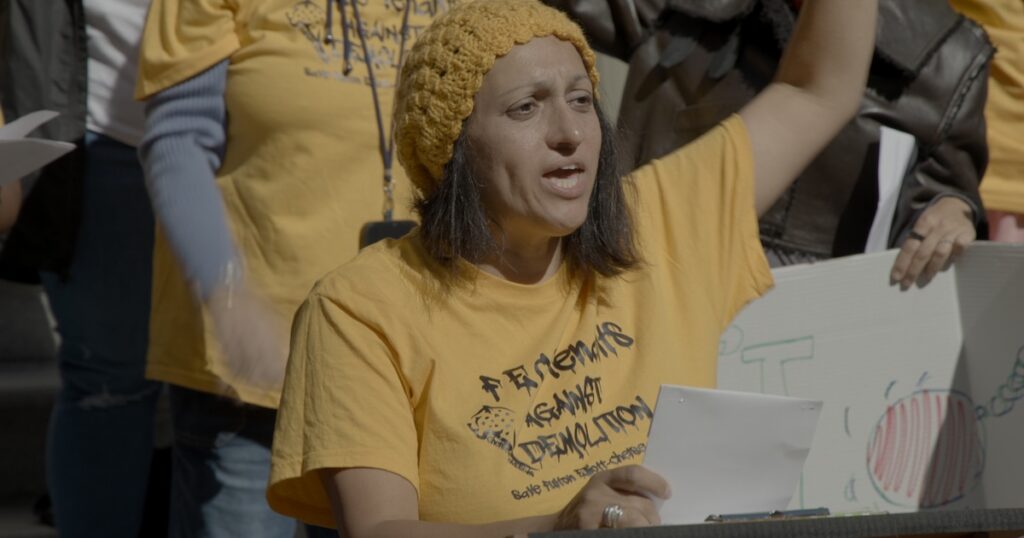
pixel 694 62
pixel 42 66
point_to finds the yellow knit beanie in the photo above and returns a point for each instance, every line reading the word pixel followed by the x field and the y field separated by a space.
pixel 446 67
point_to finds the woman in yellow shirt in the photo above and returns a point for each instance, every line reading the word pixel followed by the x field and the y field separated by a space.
pixel 266 151
pixel 494 372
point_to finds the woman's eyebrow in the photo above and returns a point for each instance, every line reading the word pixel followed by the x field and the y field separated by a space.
pixel 542 84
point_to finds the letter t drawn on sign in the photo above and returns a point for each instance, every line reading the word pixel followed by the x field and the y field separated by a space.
pixel 773 357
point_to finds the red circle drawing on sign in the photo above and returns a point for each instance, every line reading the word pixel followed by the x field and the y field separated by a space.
pixel 927 450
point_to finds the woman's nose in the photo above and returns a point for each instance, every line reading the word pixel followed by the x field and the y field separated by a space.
pixel 564 131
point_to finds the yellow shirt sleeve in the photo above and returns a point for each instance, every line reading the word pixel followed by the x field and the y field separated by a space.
pixel 696 212
pixel 183 38
pixel 344 404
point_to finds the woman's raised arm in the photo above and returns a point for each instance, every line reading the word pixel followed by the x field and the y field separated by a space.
pixel 817 89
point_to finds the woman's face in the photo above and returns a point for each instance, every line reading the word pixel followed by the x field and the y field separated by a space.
pixel 535 139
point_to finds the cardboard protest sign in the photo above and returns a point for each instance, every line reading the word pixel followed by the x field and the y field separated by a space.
pixel 923 389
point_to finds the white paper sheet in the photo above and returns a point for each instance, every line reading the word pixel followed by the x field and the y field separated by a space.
pixel 726 452
pixel 894 153
pixel 20 156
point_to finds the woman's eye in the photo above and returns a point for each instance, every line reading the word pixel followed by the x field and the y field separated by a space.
pixel 522 109
pixel 582 101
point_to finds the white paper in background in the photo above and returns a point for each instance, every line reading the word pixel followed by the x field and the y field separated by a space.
pixel 726 452
pixel 20 156
pixel 894 153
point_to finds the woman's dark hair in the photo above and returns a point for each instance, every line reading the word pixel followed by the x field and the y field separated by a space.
pixel 454 222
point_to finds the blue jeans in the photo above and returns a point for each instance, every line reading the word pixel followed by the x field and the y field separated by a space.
pixel 101 430
pixel 220 470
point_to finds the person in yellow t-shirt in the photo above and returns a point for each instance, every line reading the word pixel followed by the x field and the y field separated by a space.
pixel 267 150
pixel 493 373
pixel 1002 189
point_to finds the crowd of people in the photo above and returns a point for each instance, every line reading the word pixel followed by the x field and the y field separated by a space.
pixel 353 344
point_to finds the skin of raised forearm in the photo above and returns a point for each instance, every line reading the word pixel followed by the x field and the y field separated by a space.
pixel 817 89
pixel 828 56
pixel 10 204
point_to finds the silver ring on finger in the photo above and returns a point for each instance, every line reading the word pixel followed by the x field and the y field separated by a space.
pixel 946 241
pixel 611 516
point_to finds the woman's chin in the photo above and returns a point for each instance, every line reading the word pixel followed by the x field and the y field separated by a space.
pixel 564 228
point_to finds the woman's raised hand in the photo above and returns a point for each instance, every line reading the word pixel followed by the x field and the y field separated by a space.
pixel 620 497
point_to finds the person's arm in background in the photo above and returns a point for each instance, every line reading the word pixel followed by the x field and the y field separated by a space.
pixel 10 200
pixel 939 200
pixel 819 85
pixel 10 204
pixel 181 150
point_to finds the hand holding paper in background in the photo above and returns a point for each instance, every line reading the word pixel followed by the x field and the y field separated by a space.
pixel 728 452
pixel 20 156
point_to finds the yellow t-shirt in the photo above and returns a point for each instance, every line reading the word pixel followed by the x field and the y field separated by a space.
pixel 499 400
pixel 1003 185
pixel 302 170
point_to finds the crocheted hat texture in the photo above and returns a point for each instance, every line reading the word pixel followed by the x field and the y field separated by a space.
pixel 446 67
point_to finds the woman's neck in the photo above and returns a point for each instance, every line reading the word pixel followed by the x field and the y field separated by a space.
pixel 526 263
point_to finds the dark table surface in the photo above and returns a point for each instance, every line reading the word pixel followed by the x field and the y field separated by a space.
pixel 998 522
